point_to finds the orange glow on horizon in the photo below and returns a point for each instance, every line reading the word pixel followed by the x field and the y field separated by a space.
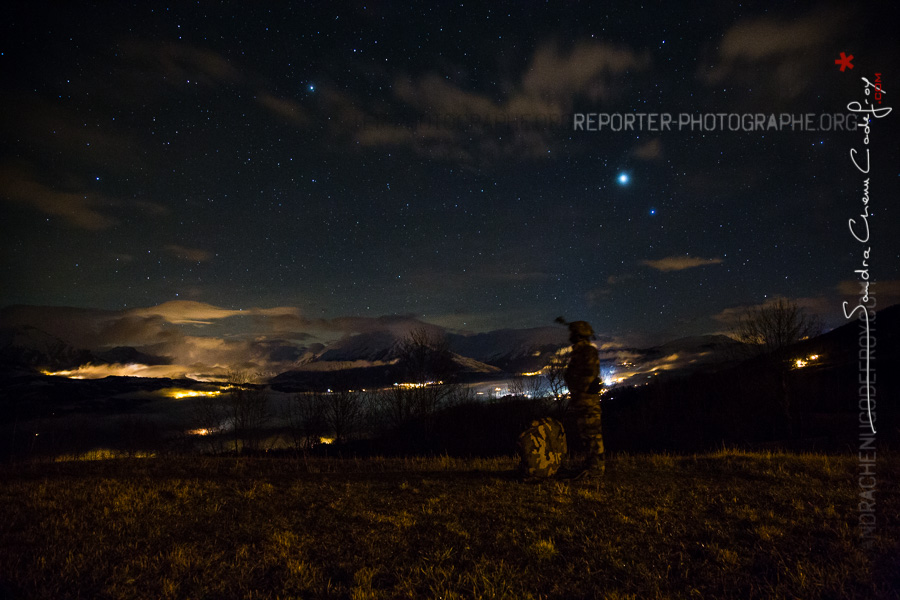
pixel 179 393
pixel 417 385
pixel 91 371
pixel 202 431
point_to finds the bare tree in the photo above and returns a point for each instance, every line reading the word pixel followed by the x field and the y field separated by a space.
pixel 458 395
pixel 139 434
pixel 426 357
pixel 769 330
pixel 209 414
pixel 428 370
pixel 518 386
pixel 536 387
pixel 528 386
pixel 555 371
pixel 246 407
pixel 305 413
pixel 343 411
pixel 396 405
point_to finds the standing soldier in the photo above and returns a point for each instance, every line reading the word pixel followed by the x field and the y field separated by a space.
pixel 582 379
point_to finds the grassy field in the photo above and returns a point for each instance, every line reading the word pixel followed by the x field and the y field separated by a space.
pixel 726 525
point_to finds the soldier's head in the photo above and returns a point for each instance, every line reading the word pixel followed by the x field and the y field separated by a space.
pixel 580 330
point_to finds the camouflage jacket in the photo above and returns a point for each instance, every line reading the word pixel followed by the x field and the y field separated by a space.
pixel 584 367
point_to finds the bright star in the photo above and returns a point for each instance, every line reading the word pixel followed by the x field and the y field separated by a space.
pixel 311 87
pixel 623 178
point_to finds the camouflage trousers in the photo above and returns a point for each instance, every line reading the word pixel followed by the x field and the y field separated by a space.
pixel 586 409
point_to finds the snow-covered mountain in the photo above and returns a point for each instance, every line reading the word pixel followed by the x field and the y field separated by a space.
pixel 512 350
pixel 489 354
pixel 377 346
pixel 29 346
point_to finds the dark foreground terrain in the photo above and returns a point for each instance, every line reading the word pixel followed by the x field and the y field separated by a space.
pixel 724 525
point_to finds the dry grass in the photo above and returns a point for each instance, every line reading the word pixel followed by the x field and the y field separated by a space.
pixel 726 525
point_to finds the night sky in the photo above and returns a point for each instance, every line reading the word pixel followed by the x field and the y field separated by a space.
pixel 334 161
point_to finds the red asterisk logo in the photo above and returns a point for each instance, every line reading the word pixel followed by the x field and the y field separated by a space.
pixel 844 61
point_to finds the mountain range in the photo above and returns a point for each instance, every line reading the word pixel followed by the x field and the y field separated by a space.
pixel 372 356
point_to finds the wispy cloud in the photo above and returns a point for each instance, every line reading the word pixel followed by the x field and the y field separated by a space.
pixel 200 313
pixel 78 208
pixel 287 109
pixel 76 205
pixel 766 37
pixel 813 305
pixel 179 63
pixel 196 339
pixel 884 293
pixel 189 254
pixel 600 293
pixel 452 122
pixel 585 69
pixel 48 128
pixel 787 48
pixel 648 150
pixel 679 263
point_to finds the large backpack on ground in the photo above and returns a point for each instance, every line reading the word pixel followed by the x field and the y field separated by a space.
pixel 542 448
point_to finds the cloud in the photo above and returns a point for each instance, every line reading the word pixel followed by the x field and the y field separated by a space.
pixel 196 339
pixel 443 120
pixel 812 305
pixel 264 340
pixel 178 334
pixel 186 312
pixel 284 321
pixel 776 54
pixel 596 296
pixel 345 112
pixel 583 70
pixel 649 150
pixel 884 293
pixel 189 254
pixel 295 326
pixel 599 294
pixel 136 330
pixel 80 209
pixel 76 326
pixel 385 134
pixel 77 207
pixel 436 95
pixel 732 315
pixel 47 128
pixel 289 110
pixel 147 207
pixel 679 263
pixel 179 63
pixel 158 331
pixel 768 37
pixel 189 312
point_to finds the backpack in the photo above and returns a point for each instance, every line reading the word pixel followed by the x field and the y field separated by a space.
pixel 542 448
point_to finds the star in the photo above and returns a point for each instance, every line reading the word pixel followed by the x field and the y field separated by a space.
pixel 844 61
pixel 623 179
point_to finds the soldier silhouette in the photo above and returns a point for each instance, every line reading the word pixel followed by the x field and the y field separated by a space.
pixel 582 379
